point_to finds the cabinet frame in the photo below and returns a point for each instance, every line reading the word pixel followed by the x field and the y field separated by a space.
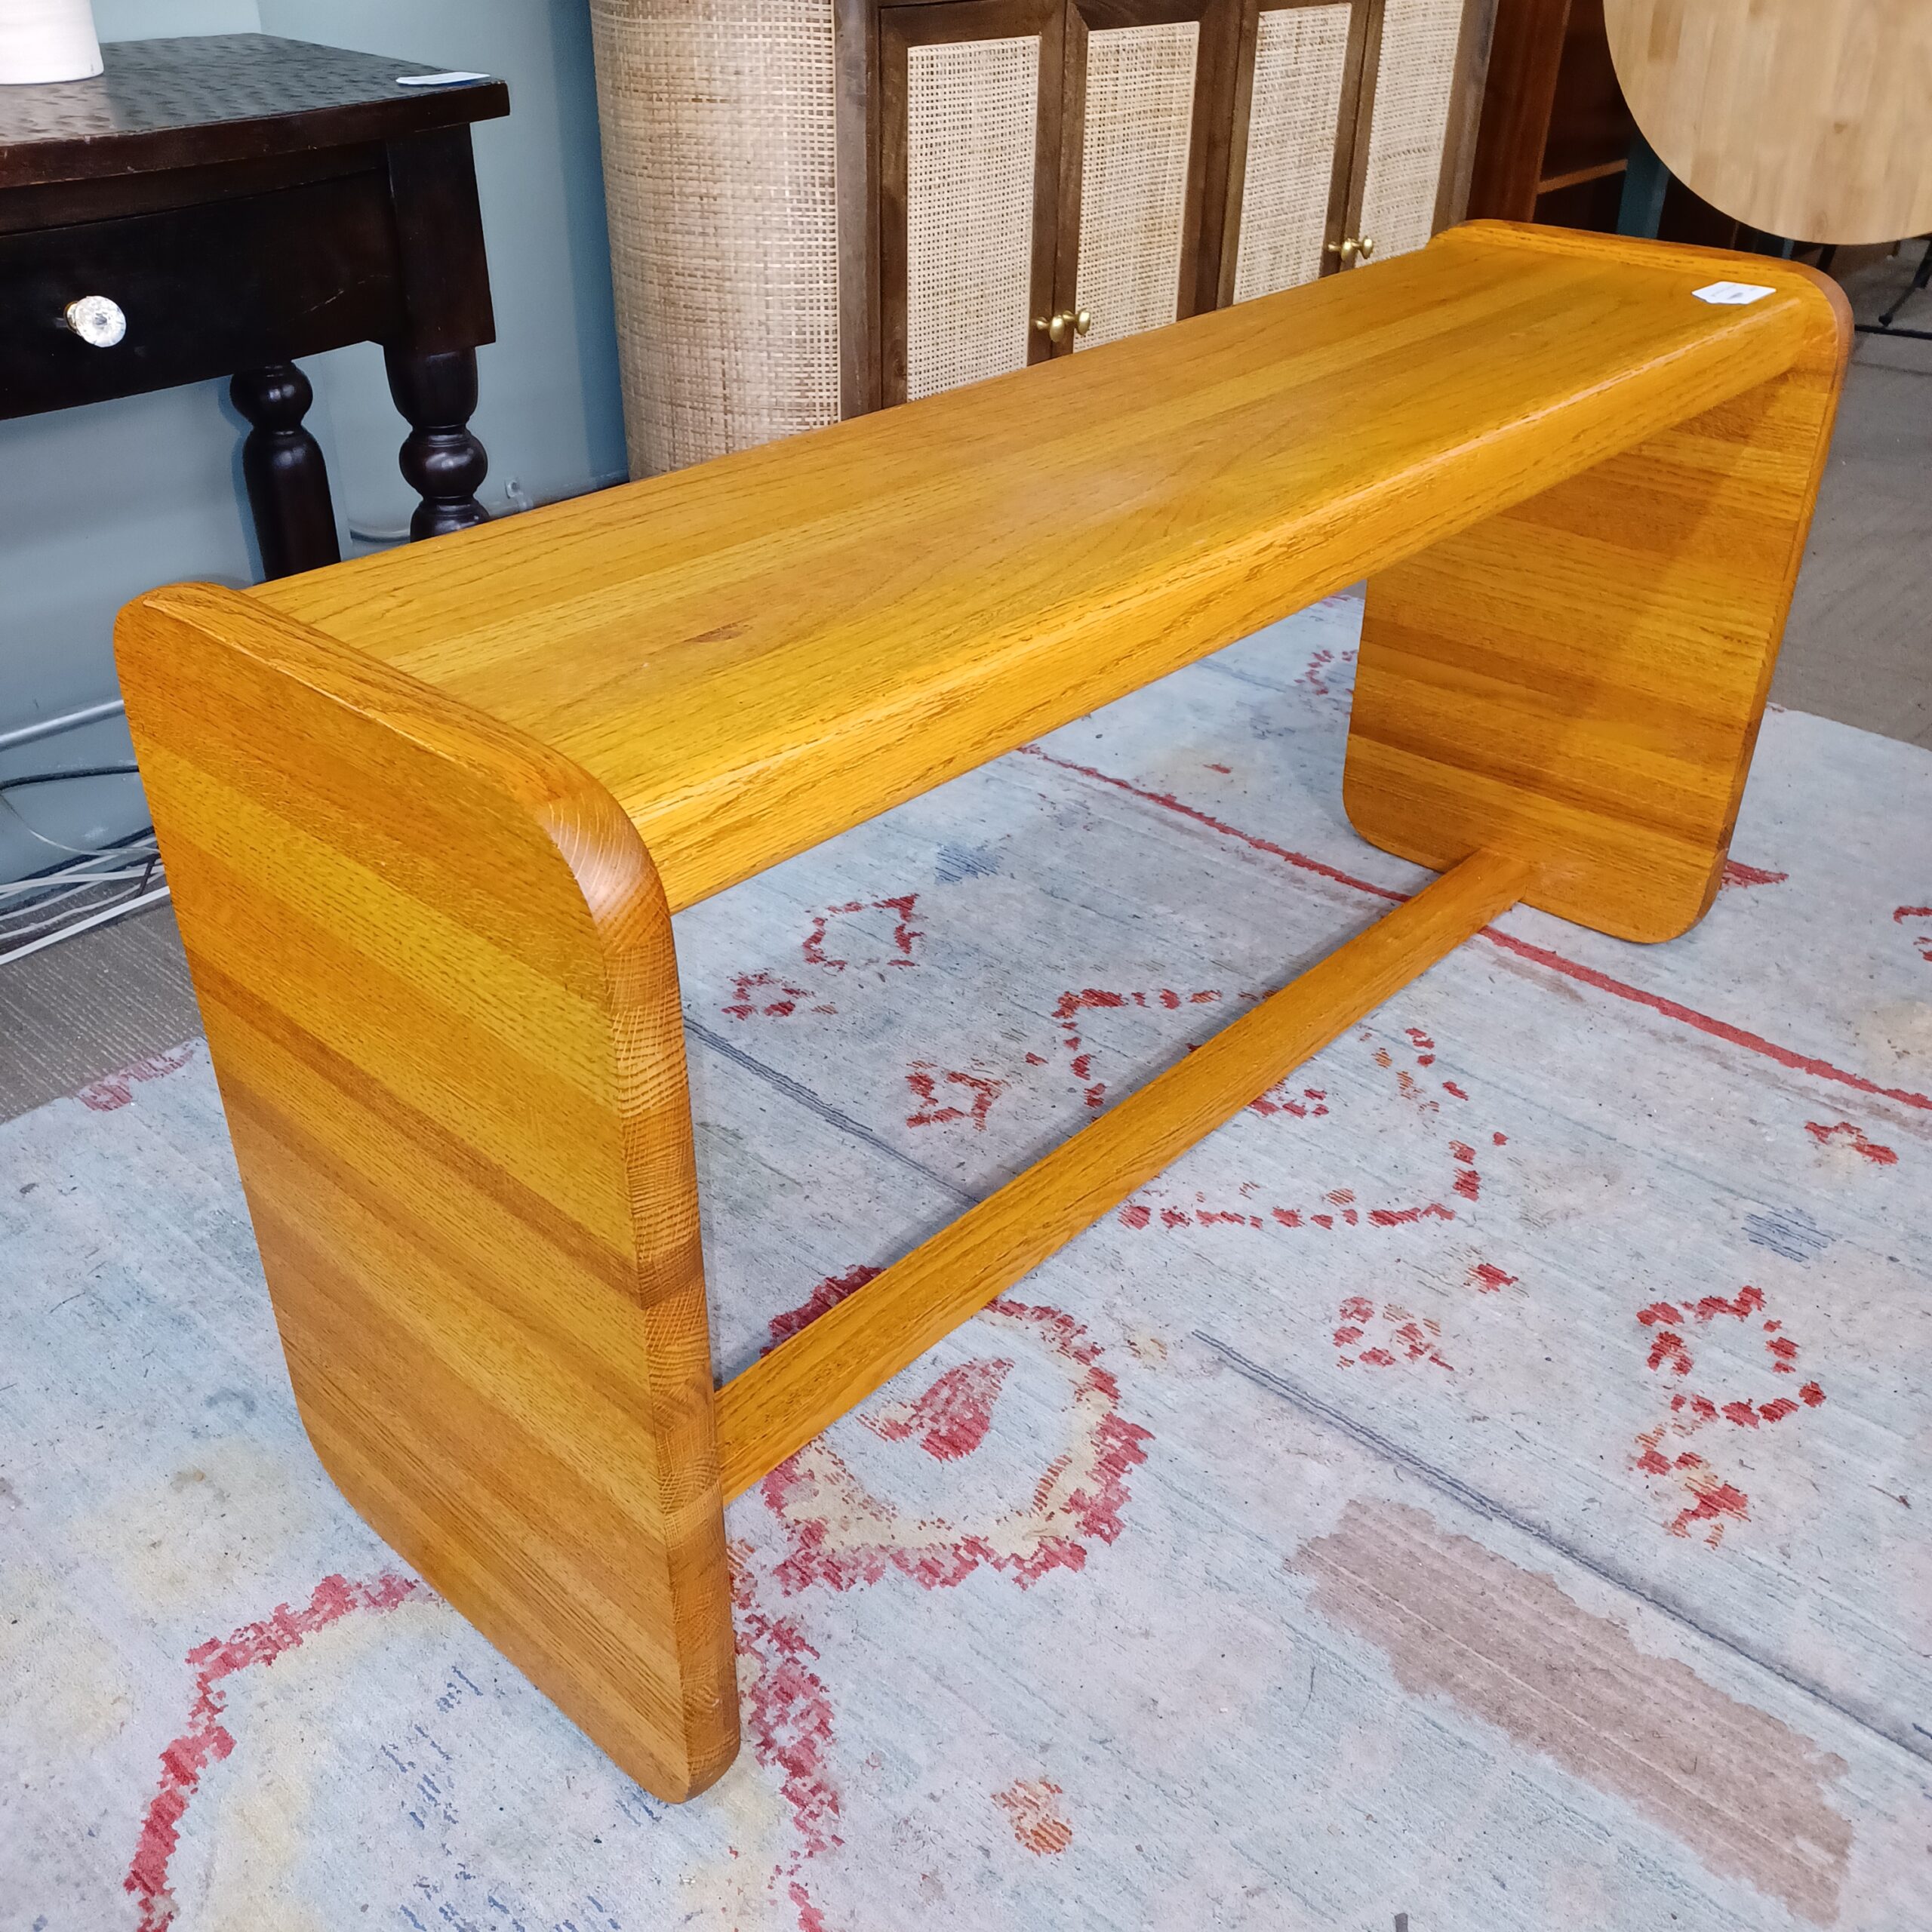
pixel 1459 144
pixel 870 52
pixel 903 25
pixel 1217 58
pixel 1344 195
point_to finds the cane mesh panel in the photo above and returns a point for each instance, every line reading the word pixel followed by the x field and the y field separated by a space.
pixel 1133 175
pixel 972 111
pixel 1300 56
pixel 718 132
pixel 1413 88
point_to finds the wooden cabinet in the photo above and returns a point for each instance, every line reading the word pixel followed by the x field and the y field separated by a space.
pixel 1556 131
pixel 821 206
pixel 969 97
pixel 1146 111
pixel 1021 179
pixel 1047 173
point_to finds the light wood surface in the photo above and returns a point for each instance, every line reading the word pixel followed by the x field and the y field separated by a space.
pixel 435 970
pixel 1811 119
pixel 758 653
pixel 401 802
pixel 1580 677
pixel 775 1407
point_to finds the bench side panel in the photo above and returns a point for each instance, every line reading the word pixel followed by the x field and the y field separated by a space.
pixel 435 967
pixel 1579 679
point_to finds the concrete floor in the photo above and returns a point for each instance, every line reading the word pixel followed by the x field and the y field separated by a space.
pixel 1858 648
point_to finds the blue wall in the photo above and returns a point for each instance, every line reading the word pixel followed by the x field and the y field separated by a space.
pixel 100 504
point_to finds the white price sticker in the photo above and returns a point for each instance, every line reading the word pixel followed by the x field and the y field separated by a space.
pixel 1732 293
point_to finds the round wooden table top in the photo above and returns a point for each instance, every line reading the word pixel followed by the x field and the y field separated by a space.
pixel 1807 119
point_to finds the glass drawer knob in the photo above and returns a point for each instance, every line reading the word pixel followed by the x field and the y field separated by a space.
pixel 98 321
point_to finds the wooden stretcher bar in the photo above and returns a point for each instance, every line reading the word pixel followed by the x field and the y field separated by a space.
pixel 775 1407
pixel 426 817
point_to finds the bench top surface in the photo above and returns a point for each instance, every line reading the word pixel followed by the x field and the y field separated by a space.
pixel 759 652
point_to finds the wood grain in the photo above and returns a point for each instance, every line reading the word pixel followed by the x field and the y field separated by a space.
pixel 1806 118
pixel 759 653
pixel 223 98
pixel 777 1406
pixel 1580 678
pixel 435 969
pixel 401 802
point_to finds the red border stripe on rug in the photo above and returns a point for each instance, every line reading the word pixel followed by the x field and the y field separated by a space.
pixel 1541 955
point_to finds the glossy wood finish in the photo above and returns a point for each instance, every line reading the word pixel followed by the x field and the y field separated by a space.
pixel 401 801
pixel 777 1406
pixel 758 653
pixel 1811 119
pixel 1579 677
pixel 436 968
pixel 207 289
pixel 442 461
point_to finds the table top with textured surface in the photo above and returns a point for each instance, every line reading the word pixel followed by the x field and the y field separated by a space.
pixel 169 103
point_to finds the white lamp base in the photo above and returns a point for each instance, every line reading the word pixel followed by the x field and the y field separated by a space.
pixel 47 40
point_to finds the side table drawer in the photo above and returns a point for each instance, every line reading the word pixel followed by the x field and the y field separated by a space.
pixel 207 290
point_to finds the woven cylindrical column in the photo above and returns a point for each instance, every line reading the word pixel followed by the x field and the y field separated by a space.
pixel 718 123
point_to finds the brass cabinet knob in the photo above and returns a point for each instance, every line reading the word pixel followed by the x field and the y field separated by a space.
pixel 1063 322
pixel 97 320
pixel 1351 249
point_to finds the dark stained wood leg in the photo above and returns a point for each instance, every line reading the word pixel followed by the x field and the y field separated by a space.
pixel 436 392
pixel 281 463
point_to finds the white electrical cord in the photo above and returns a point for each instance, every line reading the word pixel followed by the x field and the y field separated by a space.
pixel 119 909
pixel 76 897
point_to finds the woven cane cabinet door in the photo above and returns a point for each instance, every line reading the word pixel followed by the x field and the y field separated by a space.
pixel 1295 118
pixel 969 110
pixel 1354 129
pixel 1415 130
pixel 1148 105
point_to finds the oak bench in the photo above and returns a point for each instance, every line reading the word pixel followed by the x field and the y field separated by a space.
pixel 426 816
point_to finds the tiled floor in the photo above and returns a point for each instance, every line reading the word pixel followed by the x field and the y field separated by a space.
pixel 1858 648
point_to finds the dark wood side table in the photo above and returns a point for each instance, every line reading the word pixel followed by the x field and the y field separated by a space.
pixel 232 202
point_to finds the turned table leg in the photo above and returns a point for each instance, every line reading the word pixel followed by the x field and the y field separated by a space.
pixel 435 391
pixel 282 466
